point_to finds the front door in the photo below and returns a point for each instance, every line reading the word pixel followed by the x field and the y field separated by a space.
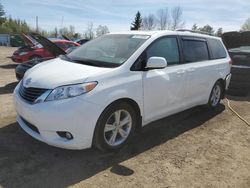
pixel 164 88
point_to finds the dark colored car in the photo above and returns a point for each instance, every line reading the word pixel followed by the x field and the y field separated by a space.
pixel 81 41
pixel 48 45
pixel 238 45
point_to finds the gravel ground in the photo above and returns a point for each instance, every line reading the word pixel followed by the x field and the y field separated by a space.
pixel 195 148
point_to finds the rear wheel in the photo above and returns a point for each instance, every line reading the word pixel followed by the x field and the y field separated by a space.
pixel 115 127
pixel 215 96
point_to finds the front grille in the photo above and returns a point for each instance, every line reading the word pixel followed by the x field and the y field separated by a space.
pixel 32 127
pixel 30 94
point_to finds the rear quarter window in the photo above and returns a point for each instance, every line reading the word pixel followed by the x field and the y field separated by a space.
pixel 217 49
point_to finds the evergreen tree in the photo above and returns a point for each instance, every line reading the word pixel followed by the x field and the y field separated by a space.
pixel 195 27
pixel 136 25
pixel 2 14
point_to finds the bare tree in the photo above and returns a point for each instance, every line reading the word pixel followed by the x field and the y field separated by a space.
pixel 101 30
pixel 177 20
pixel 71 30
pixel 246 25
pixel 89 32
pixel 149 22
pixel 164 19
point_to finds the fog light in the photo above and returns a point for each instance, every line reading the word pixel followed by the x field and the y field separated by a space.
pixel 68 136
pixel 64 134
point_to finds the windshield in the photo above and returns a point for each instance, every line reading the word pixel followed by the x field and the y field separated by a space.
pixel 108 50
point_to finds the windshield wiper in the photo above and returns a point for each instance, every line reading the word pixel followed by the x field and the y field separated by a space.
pixel 85 62
pixel 65 57
pixel 89 62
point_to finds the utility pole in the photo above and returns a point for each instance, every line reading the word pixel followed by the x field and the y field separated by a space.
pixel 37 24
pixel 61 30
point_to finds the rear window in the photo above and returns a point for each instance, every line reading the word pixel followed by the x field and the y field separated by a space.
pixel 217 49
pixel 195 50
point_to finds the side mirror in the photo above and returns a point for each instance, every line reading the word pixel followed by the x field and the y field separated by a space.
pixel 156 63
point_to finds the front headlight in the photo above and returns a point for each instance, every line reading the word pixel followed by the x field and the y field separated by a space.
pixel 23 53
pixel 70 91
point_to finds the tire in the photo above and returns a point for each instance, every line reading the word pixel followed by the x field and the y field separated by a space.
pixel 103 138
pixel 215 96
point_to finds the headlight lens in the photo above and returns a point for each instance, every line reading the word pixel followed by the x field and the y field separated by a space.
pixel 23 53
pixel 70 91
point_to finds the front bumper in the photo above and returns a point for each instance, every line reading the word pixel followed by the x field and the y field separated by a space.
pixel 74 115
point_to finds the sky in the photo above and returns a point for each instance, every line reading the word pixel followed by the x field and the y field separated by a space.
pixel 118 14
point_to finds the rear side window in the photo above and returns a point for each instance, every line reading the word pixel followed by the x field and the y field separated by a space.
pixel 217 49
pixel 195 50
pixel 166 48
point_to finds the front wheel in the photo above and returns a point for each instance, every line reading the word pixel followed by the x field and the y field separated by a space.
pixel 115 127
pixel 215 96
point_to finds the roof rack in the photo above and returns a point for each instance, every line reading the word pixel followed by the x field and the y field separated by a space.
pixel 192 31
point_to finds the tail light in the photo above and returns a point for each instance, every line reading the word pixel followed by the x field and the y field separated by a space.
pixel 230 62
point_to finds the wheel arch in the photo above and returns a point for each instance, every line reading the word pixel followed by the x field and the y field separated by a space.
pixel 129 101
pixel 135 105
pixel 223 84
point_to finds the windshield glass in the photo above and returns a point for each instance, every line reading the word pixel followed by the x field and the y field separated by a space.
pixel 108 50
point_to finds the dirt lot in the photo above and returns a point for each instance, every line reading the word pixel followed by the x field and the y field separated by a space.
pixel 195 148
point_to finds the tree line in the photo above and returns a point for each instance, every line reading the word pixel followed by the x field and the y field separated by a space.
pixel 163 19
pixel 166 19
pixel 9 25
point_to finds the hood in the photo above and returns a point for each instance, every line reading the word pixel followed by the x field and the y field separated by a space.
pixel 236 39
pixel 28 41
pixel 58 72
pixel 48 45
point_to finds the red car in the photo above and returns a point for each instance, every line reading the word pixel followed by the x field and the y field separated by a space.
pixel 34 50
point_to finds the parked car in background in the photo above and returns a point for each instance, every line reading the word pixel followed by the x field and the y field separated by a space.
pixel 238 45
pixel 100 93
pixel 51 47
pixel 81 41
pixel 35 51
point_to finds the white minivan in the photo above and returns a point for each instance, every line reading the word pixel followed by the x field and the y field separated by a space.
pixel 100 93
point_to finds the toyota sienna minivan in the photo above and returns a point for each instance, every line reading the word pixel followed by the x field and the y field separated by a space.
pixel 100 93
